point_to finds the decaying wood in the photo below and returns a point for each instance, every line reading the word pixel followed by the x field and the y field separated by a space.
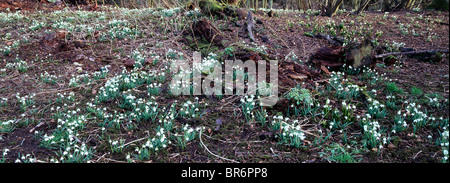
pixel 291 74
pixel 205 29
pixel 410 53
pixel 332 56
pixel 355 55
pixel 359 55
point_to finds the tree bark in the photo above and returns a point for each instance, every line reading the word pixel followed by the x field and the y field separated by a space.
pixel 362 7
pixel 332 6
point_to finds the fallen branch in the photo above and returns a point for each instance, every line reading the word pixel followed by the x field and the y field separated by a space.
pixel 410 53
pixel 250 24
pixel 333 40
pixel 37 126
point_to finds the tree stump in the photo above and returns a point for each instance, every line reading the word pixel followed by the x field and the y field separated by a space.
pixel 205 29
pixel 359 55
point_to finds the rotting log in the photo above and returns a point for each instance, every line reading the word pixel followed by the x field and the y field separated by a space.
pixel 411 53
pixel 423 55
pixel 331 56
pixel 355 55
pixel 291 74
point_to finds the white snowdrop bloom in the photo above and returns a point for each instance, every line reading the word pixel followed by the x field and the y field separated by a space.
pixel 190 130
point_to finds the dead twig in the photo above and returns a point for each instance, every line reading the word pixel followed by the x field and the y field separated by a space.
pixel 230 100
pixel 415 156
pixel 201 141
pixel 233 142
pixel 137 140
pixel 37 126
pixel 109 159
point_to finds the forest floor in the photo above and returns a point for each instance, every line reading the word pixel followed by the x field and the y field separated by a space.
pixel 92 85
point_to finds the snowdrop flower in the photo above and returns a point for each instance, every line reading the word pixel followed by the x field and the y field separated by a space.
pixel 5 152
